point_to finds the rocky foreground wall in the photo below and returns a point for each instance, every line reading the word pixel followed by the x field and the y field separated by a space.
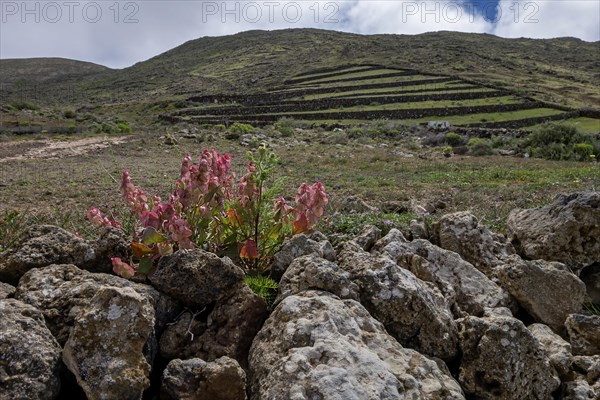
pixel 465 313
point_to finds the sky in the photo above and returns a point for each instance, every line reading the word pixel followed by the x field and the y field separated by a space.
pixel 119 33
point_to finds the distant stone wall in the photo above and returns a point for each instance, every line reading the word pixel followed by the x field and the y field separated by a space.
pixel 22 130
pixel 334 103
pixel 375 114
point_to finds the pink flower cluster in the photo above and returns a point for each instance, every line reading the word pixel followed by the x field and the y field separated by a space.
pixel 310 205
pixel 99 219
pixel 247 189
pixel 207 184
pixel 135 198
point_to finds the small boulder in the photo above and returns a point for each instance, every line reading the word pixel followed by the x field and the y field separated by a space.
pixel 222 379
pixel 60 292
pixel 567 230
pixel 393 238
pixel 29 355
pixel 297 246
pixel 6 290
pixel 467 290
pixel 462 233
pixel 105 348
pixel 501 359
pixel 585 383
pixel 43 245
pixel 558 350
pixel 314 272
pixel 355 203
pixel 584 334
pixel 315 345
pixel 546 290
pixel 395 206
pixel 412 310
pixel 418 229
pixel 196 277
pixel 367 237
pixel 111 243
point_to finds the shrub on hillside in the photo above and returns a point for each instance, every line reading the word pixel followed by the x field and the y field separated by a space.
pixel 480 147
pixel 284 127
pixel 69 114
pixel 240 128
pixel 504 142
pixel 583 151
pixel 557 141
pixel 123 127
pixel 23 105
pixel 454 139
pixel 111 127
pixel 386 128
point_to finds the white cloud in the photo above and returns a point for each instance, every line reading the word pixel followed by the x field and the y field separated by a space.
pixel 549 19
pixel 412 17
pixel 137 30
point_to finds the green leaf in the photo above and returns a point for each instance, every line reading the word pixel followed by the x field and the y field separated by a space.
pixel 273 233
pixel 146 265
pixel 151 236
pixel 230 251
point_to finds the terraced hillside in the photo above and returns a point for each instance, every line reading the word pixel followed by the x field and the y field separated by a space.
pixel 356 93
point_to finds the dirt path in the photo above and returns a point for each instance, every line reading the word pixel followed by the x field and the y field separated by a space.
pixel 48 149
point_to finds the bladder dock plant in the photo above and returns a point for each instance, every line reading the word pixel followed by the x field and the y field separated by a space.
pixel 208 210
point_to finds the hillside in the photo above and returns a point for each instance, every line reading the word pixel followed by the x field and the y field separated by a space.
pixel 562 71
pixel 39 70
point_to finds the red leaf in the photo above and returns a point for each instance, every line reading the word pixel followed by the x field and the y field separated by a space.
pixel 249 250
pixel 140 249
pixel 300 225
pixel 234 218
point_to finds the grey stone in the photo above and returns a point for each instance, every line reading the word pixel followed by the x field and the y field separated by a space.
pixel 412 310
pixel 105 350
pixel 196 379
pixel 462 233
pixel 43 245
pixel 315 345
pixel 355 203
pixel 558 350
pixel 393 239
pixel 111 243
pixel 29 355
pixel 418 229
pixel 314 272
pixel 501 359
pixel 584 334
pixel 567 230
pixel 367 237
pixel 196 277
pixel 585 384
pixel 297 246
pixel 465 288
pixel 546 290
pixel 6 290
pixel 60 292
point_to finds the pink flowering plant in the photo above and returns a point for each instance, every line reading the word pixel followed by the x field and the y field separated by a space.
pixel 208 210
